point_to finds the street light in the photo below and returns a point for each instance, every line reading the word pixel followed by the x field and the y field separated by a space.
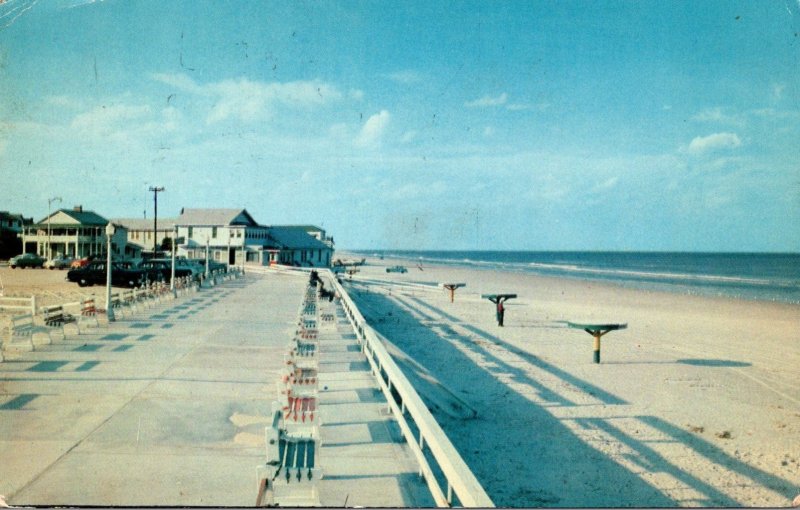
pixel 49 201
pixel 207 241
pixel 155 190
pixel 172 279
pixel 109 308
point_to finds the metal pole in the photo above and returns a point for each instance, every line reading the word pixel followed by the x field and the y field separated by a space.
pixel 207 257
pixel 49 201
pixel 155 191
pixel 109 305
pixel 172 279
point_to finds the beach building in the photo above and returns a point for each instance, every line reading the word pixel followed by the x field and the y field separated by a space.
pixel 11 226
pixel 315 232
pixel 231 235
pixel 73 233
pixel 234 237
pixel 294 246
pixel 140 234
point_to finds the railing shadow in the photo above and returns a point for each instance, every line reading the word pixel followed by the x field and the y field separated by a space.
pixel 522 454
pixel 598 393
pixel 643 455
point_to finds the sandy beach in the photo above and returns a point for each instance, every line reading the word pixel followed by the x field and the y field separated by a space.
pixel 696 403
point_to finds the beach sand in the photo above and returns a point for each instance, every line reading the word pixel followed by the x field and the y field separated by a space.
pixel 696 403
pixel 49 286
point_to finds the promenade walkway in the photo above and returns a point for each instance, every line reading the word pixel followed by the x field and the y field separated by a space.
pixel 168 407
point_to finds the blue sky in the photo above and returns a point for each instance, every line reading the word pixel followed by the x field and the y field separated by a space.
pixel 537 125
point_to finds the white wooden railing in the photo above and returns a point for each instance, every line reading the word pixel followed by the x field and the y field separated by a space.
pixel 419 427
pixel 24 304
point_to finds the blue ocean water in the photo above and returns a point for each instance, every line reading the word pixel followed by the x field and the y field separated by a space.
pixel 755 276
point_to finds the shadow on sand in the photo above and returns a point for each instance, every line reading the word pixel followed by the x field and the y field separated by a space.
pixel 521 452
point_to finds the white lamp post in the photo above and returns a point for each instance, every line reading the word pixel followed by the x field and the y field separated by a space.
pixel 172 279
pixel 207 248
pixel 49 201
pixel 109 308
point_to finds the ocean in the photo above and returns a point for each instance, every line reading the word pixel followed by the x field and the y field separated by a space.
pixel 753 276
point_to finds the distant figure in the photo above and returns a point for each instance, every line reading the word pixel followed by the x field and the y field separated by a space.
pixel 501 310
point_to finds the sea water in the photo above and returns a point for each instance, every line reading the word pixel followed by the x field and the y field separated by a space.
pixel 755 276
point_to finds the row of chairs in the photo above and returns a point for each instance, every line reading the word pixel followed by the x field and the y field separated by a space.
pixel 290 474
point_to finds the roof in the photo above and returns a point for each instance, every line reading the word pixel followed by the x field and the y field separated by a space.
pixel 145 224
pixel 5 216
pixel 295 238
pixel 82 217
pixel 306 228
pixel 200 217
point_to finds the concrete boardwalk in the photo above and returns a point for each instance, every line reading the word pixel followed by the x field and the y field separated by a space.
pixel 168 407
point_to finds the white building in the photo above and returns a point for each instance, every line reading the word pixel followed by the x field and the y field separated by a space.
pixel 72 232
pixel 233 236
pixel 140 234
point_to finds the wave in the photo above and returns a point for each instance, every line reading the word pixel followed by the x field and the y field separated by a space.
pixel 658 275
pixel 773 277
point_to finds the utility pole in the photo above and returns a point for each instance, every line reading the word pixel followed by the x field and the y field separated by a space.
pixel 155 190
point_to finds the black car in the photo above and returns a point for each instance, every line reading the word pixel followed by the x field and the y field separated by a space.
pixel 213 265
pixel 159 270
pixel 94 273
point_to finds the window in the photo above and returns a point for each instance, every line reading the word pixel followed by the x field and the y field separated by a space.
pixel 214 232
pixel 191 229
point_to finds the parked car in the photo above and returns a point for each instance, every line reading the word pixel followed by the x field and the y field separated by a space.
pixel 95 274
pixel 26 260
pixel 213 265
pixel 82 262
pixel 160 270
pixel 59 262
pixel 396 269
pixel 193 265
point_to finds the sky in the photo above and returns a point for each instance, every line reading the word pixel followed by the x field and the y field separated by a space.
pixel 463 125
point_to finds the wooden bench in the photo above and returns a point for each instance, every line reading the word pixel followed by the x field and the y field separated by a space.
pixel 289 475
pixel 22 332
pixel 88 313
pixel 55 317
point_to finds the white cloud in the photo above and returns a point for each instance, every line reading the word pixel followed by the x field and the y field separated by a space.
pixel 488 131
pixel 248 100
pixel 717 115
pixel 409 136
pixel 521 107
pixel 107 117
pixel 373 129
pixel 777 90
pixel 488 101
pixel 606 185
pixel 180 82
pixel 713 142
pixel 62 101
pixel 356 94
pixel 406 77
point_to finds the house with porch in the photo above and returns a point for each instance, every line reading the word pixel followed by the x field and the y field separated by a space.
pixel 234 237
pixel 72 232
